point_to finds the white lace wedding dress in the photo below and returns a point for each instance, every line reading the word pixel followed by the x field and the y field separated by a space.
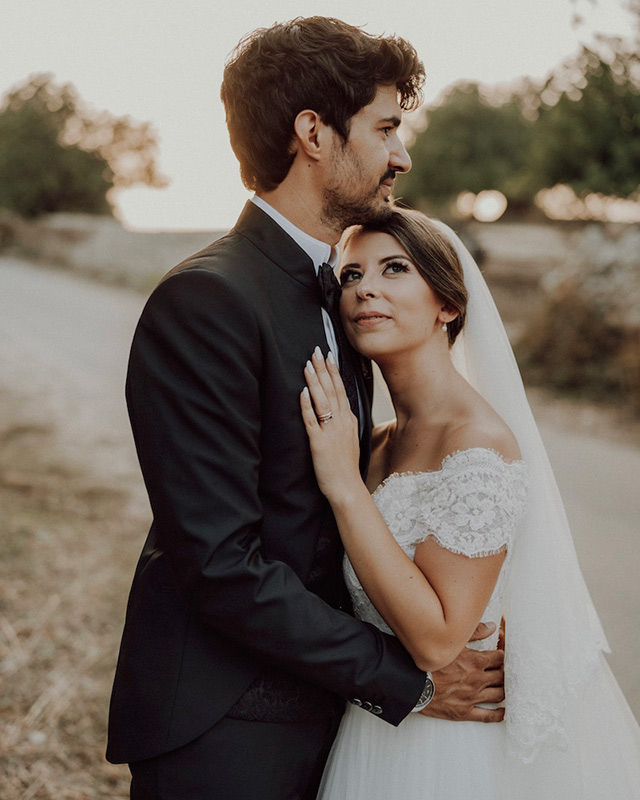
pixel 473 506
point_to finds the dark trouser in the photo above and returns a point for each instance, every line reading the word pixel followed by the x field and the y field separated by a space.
pixel 238 760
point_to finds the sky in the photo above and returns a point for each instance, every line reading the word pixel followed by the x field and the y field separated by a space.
pixel 162 60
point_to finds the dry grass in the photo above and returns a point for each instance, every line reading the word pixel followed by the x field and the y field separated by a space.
pixel 67 547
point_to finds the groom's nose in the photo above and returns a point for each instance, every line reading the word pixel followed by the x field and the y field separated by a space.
pixel 399 159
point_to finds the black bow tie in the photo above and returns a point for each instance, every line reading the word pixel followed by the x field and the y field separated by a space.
pixel 331 290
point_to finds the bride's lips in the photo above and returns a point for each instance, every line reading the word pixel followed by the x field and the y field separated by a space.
pixel 369 319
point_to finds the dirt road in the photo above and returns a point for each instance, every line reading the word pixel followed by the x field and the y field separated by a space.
pixel 63 350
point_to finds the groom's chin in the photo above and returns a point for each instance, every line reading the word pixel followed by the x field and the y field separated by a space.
pixel 374 212
pixel 381 212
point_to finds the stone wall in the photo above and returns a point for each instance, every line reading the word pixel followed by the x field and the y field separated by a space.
pixel 585 335
pixel 528 264
pixel 523 262
pixel 101 247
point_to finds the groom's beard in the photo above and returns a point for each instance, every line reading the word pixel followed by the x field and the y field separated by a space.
pixel 349 201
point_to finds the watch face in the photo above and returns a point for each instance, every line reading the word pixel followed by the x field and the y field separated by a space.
pixel 428 691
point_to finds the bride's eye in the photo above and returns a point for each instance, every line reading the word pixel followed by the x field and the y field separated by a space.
pixel 349 275
pixel 396 267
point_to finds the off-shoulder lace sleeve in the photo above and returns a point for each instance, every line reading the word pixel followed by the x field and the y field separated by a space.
pixel 475 505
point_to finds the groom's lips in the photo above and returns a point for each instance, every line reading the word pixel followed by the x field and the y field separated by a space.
pixel 388 183
pixel 388 180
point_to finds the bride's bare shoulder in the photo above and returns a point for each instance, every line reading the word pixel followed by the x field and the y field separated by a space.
pixel 484 428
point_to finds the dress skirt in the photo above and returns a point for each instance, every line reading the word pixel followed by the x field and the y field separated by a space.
pixel 432 759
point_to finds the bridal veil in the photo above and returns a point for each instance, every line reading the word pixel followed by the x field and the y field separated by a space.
pixel 565 715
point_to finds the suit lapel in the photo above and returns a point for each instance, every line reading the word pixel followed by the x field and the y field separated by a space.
pixel 364 379
pixel 276 245
pixel 281 249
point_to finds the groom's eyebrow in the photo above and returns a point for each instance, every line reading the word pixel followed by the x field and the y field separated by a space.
pixel 395 121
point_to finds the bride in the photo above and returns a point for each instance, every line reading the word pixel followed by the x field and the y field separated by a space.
pixel 460 521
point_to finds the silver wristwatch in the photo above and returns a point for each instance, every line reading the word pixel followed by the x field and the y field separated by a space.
pixel 427 693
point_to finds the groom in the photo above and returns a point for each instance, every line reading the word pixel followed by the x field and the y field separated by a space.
pixel 239 650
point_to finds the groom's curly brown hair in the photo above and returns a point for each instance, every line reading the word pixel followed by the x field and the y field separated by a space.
pixel 319 63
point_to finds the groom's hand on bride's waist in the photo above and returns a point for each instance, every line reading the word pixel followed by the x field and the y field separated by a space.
pixel 476 676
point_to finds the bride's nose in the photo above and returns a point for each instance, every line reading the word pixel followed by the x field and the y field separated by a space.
pixel 367 288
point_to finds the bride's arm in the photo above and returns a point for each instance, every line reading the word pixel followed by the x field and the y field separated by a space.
pixel 434 604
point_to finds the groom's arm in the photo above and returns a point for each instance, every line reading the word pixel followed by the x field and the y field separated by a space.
pixel 193 391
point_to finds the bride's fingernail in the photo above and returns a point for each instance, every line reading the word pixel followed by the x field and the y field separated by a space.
pixel 330 357
pixel 305 392
pixel 318 354
pixel 310 366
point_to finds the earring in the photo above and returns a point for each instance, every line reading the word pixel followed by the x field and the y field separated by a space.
pixel 444 326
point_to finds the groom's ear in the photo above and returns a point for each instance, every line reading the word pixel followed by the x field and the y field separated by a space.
pixel 310 134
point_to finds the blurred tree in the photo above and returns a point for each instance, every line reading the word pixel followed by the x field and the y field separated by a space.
pixel 469 144
pixel 580 128
pixel 588 126
pixel 57 155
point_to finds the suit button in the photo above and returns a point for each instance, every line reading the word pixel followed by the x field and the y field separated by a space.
pixel 376 710
pixel 367 706
pixel 356 702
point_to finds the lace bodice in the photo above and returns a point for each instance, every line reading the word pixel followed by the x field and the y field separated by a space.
pixel 472 505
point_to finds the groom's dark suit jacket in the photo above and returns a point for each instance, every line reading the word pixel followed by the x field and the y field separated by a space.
pixel 228 584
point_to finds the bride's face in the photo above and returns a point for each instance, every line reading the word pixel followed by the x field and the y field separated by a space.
pixel 386 307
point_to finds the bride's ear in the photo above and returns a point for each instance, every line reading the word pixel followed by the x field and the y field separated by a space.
pixel 447 314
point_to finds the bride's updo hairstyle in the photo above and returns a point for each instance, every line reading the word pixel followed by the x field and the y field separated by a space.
pixel 432 253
